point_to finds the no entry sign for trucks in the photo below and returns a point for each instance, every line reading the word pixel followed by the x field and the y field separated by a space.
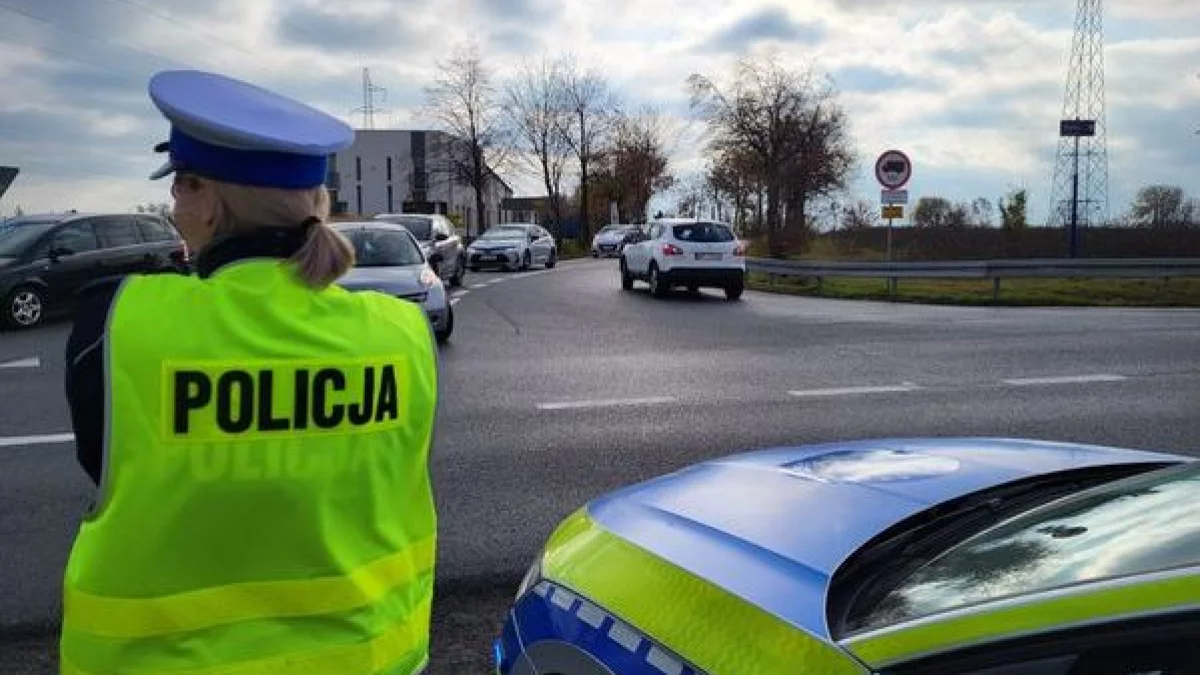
pixel 893 169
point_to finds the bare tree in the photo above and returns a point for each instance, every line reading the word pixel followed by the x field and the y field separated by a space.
pixel 1163 206
pixel 464 101
pixel 588 103
pixel 859 215
pixel 788 127
pixel 635 164
pixel 535 101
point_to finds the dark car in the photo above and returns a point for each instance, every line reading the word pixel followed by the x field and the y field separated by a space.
pixel 46 260
pixel 443 248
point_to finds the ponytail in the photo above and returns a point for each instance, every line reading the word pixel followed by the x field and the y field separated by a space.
pixel 325 256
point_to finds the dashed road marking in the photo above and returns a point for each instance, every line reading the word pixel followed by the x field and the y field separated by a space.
pixel 46 439
pixel 854 391
pixel 31 362
pixel 493 282
pixel 605 403
pixel 1065 379
pixel 476 287
pixel 454 300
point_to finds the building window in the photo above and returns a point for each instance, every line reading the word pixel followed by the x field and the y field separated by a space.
pixel 389 171
pixel 358 168
pixel 390 209
pixel 358 194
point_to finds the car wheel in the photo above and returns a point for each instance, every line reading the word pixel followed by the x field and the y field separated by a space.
pixel 658 287
pixel 626 277
pixel 24 308
pixel 526 261
pixel 459 271
pixel 474 269
pixel 734 290
pixel 552 260
pixel 444 335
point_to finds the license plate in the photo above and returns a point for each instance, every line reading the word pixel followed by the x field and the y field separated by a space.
pixel 488 258
pixel 708 256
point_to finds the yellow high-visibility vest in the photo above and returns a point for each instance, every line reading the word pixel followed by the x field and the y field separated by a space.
pixel 266 504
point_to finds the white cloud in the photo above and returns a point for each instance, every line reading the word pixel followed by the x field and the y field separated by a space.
pixel 972 88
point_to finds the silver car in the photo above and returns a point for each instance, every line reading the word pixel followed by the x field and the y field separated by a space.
pixel 610 241
pixel 389 260
pixel 513 246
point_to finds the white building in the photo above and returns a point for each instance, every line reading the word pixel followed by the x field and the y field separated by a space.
pixel 390 171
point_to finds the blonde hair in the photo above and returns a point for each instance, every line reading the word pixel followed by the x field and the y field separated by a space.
pixel 240 209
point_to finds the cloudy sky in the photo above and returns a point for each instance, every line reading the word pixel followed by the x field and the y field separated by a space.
pixel 971 89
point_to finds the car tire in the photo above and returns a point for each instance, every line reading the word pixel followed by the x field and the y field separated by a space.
pixel 526 261
pixel 474 269
pixel 24 308
pixel 457 279
pixel 658 288
pixel 734 291
pixel 552 260
pixel 443 336
pixel 626 277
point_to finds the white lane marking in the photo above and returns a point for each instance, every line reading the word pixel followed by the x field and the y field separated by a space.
pixel 31 362
pixel 854 391
pixel 454 301
pixel 609 403
pixel 48 439
pixel 476 287
pixel 496 281
pixel 1064 379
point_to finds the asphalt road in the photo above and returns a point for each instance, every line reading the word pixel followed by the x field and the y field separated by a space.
pixel 558 386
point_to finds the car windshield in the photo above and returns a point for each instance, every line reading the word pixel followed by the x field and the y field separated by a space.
pixel 1134 526
pixel 383 248
pixel 14 241
pixel 505 233
pixel 703 233
pixel 421 227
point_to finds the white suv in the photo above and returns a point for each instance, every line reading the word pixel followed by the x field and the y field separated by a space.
pixel 686 252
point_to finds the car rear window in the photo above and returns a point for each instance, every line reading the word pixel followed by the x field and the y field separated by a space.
pixel 420 226
pixel 702 233
pixel 1135 526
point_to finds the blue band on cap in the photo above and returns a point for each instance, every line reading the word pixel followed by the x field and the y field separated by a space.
pixel 247 167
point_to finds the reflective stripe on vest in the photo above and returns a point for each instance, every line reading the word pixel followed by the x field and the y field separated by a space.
pixel 266 504
pixel 704 624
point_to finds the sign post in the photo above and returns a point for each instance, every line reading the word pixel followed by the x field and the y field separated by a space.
pixel 1076 129
pixel 893 170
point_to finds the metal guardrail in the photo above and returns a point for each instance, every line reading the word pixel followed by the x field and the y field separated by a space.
pixel 996 270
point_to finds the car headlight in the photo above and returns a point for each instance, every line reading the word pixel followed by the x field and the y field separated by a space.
pixel 428 278
pixel 532 577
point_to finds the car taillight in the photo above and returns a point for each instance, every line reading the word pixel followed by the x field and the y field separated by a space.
pixel 740 251
pixel 672 249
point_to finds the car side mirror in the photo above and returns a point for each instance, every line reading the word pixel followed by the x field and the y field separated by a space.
pixel 441 236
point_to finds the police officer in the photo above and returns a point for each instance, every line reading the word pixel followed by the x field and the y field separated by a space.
pixel 259 437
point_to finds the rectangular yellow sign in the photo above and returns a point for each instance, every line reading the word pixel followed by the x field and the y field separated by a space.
pixel 893 212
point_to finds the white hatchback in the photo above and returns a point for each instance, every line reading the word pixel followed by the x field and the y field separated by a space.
pixel 692 253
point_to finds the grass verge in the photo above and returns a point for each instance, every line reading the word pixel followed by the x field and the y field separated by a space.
pixel 1016 292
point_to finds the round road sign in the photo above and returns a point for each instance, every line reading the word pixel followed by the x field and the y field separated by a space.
pixel 893 169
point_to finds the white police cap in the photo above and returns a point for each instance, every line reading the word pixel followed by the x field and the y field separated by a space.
pixel 233 131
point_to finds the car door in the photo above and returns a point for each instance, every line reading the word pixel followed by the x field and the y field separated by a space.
pixel 640 263
pixel 69 258
pixel 124 251
pixel 545 244
pixel 162 242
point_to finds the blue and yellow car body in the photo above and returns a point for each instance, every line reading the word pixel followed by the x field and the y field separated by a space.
pixel 727 567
